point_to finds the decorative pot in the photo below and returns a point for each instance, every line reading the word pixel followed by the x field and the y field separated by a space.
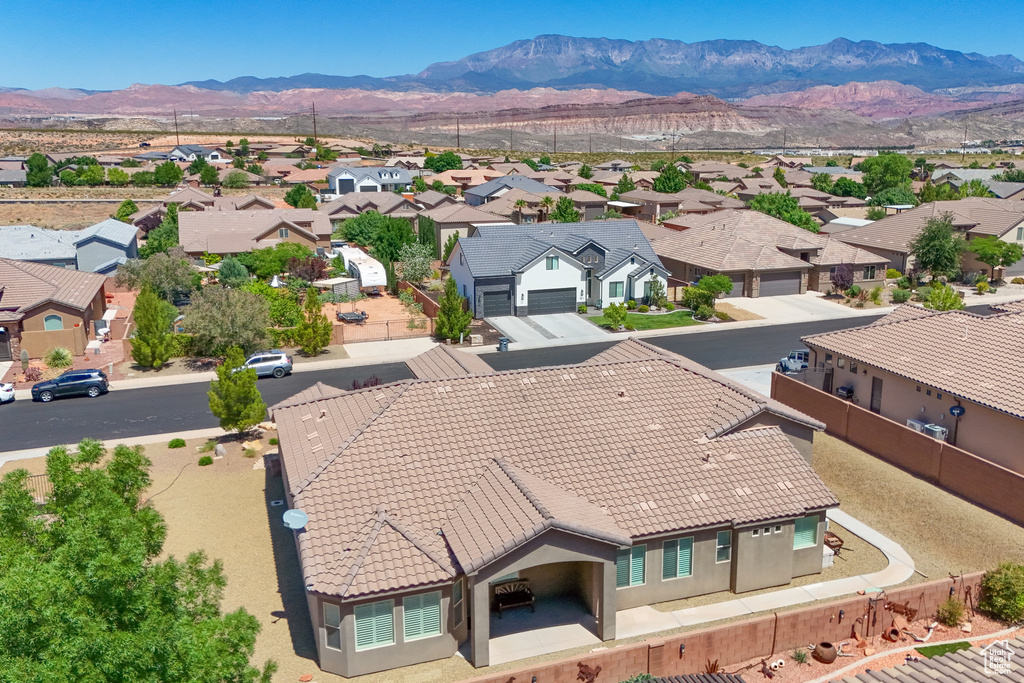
pixel 825 653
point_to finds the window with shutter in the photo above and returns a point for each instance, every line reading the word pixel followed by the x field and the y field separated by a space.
pixel 375 624
pixel 677 558
pixel 622 568
pixel 421 615
pixel 805 534
pixel 637 565
pixel 332 625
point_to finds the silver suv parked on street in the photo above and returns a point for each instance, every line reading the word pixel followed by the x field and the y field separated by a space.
pixel 269 363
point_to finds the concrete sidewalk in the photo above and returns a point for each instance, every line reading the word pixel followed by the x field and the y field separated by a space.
pixel 212 433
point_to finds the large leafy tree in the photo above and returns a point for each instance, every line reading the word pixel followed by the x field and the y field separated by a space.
pixel 994 252
pixel 297 196
pixel 893 195
pixel 670 180
pixel 885 171
pixel 847 187
pixel 85 594
pixel 938 248
pixel 238 180
pixel 221 318
pixel 625 184
pixel 315 330
pixel 164 237
pixel 444 162
pixel 165 274
pixel 234 398
pixel 208 175
pixel 585 171
pixel 168 174
pixel 125 210
pixel 565 212
pixel 39 173
pixel 784 207
pixel 232 273
pixel 393 234
pixel 974 188
pixel 151 344
pixel 822 182
pixel 198 165
pixel 271 261
pixel 417 261
pixel 1011 175
pixel 451 322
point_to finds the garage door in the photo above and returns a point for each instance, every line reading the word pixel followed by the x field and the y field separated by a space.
pixel 777 284
pixel 497 303
pixel 541 301
pixel 737 286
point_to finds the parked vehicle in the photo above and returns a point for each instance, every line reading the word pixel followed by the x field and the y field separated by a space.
pixel 89 382
pixel 794 362
pixel 6 393
pixel 273 363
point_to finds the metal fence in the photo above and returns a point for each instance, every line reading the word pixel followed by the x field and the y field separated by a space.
pixel 383 330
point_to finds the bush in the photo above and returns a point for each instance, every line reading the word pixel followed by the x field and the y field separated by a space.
pixel 971 279
pixel 182 345
pixel 33 375
pixel 923 293
pixel 670 306
pixel 704 313
pixel 876 295
pixel 853 291
pixel 582 308
pixel 643 308
pixel 58 357
pixel 176 443
pixel 722 315
pixel 982 286
pixel 904 283
pixel 281 336
pixel 951 612
pixel 799 656
pixel 892 274
pixel 859 304
pixel 631 305
pixel 695 297
pixel 1002 592
pixel 900 296
pixel 1017 281
pixel 205 460
pixel 273 441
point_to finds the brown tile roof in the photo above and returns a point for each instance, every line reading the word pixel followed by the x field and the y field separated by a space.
pixel 222 232
pixel 977 215
pixel 941 351
pixel 443 361
pixel 431 198
pixel 461 213
pixel 419 448
pixel 355 203
pixel 1010 307
pixel 25 285
pixel 508 506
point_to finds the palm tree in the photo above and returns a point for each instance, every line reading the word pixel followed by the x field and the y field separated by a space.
pixel 519 205
pixel 546 205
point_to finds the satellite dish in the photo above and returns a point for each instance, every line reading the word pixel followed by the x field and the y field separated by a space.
pixel 294 519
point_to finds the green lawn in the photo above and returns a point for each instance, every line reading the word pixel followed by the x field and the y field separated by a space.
pixel 641 321
pixel 938 650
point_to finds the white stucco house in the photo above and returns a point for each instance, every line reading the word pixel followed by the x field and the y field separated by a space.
pixel 343 179
pixel 193 152
pixel 553 267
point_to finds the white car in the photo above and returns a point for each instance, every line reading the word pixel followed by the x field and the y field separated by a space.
pixel 6 393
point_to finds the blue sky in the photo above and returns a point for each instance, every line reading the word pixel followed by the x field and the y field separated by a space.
pixel 109 44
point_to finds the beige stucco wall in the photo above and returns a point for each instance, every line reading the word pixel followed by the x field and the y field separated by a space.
pixel 35 339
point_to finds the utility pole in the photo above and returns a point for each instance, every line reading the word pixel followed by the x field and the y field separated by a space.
pixel 458 134
pixel 784 131
pixel 590 143
pixel 554 148
pixel 963 150
pixel 177 140
pixel 510 141
pixel 314 122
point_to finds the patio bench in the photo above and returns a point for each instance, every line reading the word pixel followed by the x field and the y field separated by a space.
pixel 513 594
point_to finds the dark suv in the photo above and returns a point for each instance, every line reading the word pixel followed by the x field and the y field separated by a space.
pixel 89 383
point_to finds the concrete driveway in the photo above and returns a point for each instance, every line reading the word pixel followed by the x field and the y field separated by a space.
pixel 799 308
pixel 546 330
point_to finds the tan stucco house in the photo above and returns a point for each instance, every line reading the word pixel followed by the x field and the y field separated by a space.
pixel 235 232
pixel 635 478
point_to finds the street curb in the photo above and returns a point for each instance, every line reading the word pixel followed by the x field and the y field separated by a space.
pixel 212 432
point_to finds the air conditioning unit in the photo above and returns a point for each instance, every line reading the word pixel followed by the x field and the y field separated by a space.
pixel 845 392
pixel 917 425
pixel 936 432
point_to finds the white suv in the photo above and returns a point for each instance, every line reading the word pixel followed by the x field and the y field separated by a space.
pixel 269 363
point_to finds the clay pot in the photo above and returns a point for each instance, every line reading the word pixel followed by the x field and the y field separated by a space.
pixel 825 653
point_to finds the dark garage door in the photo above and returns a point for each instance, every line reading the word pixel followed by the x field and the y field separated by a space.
pixel 497 303
pixel 777 284
pixel 543 301
pixel 737 285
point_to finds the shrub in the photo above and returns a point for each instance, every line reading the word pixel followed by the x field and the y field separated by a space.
pixel 273 441
pixel 1002 592
pixel 704 313
pixel 951 612
pixel 631 305
pixel 205 460
pixel 900 296
pixel 904 283
pixel 33 375
pixel 615 314
pixel 176 443
pixel 923 293
pixel 695 297
pixel 670 306
pixel 58 357
pixel 982 286
pixel 971 279
pixel 876 295
pixel 182 345
pixel 208 446
pixel 862 295
pixel 853 291
pixel 582 308
pixel 859 303
pixel 643 308
pixel 721 315
pixel 435 286
pixel 892 274
pixel 799 656
pixel 1017 281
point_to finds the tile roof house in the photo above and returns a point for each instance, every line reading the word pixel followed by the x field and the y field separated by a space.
pixel 492 189
pixel 431 199
pixel 589 204
pixel 193 152
pixel 458 219
pixel 385 203
pixel 13 178
pixel 345 179
pixel 464 179
pixel 425 498
pixel 43 306
pixel 100 248
pixel 235 232
pixel 763 255
pixel 914 364
pixel 194 199
pixel 973 216
pixel 443 361
pixel 553 267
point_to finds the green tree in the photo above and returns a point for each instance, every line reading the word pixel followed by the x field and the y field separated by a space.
pixel 938 248
pixel 238 180
pixel 125 210
pixel 443 162
pixel 324 154
pixel 234 398
pixel 656 293
pixel 255 169
pixel 585 171
pixel 425 233
pixel 974 188
pixel 593 187
pixel 893 196
pixel 262 156
pixel 670 181
pixel 449 245
pixel 417 262
pixel 198 165
pixel 92 175
pixel 238 162
pixel 394 234
pixel 144 179
pixel 1010 176
pixel 68 178
pixel 657 165
pixel 232 273
pixel 166 274
pixel 544 160
pixel 565 212
pixel 784 207
pixel 519 205
pixel 716 284
pixel 451 322
pixel 271 261
pixel 547 203
pixel 615 315
pixel 208 175
pixel 164 237
pixel 780 177
pixel 886 171
pixel 168 174
pixel 995 253
pixel 243 147
pixel 831 162
pixel 221 318
pixel 419 184
pixel 529 162
pixel 625 184
pixel 875 213
pixel 943 298
pixel 117 177
pixel 822 182
pixel 152 345
pixel 93 556
pixel 314 332
pixel 130 163
pixel 39 172
pixel 295 195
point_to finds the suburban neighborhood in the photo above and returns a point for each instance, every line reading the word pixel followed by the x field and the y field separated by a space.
pixel 322 407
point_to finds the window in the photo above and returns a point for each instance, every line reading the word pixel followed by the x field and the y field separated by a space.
pixel 805 535
pixel 832 273
pixel 375 624
pixel 507 577
pixel 53 322
pixel 630 566
pixel 463 291
pixel 828 359
pixel 841 363
pixel 755 533
pixel 723 546
pixel 1020 234
pixel 615 289
pixel 767 531
pixel 853 367
pixel 458 606
pixel 332 625
pixel 462 261
pixel 778 528
pixel 869 272
pixel 421 615
pixel 551 263
pixel 677 558
pixel 282 232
